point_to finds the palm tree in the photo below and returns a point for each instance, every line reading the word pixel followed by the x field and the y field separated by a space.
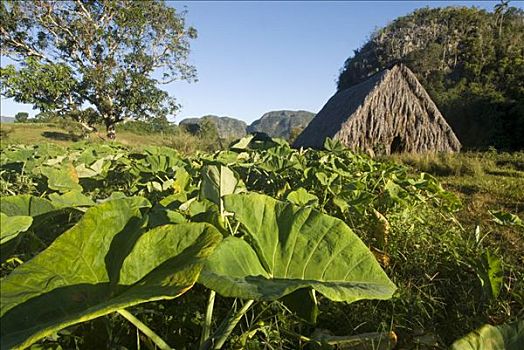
pixel 500 11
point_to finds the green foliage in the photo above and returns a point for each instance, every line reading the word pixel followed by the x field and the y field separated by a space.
pixel 302 197
pixel 468 59
pixel 155 125
pixel 505 218
pixel 488 337
pixel 105 262
pixel 285 254
pixel 101 53
pixel 21 117
pixel 208 130
pixel 292 225
pixel 46 117
pixel 45 85
pixel 205 130
pixel 217 181
pixel 12 226
pixel 63 179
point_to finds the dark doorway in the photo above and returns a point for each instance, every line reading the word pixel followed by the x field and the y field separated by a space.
pixel 397 145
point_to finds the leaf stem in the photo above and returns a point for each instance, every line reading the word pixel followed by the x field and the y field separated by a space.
pixel 145 329
pixel 206 330
pixel 217 340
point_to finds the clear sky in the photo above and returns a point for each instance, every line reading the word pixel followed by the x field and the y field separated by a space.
pixel 255 57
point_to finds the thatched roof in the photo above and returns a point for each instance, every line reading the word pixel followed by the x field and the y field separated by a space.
pixel 391 111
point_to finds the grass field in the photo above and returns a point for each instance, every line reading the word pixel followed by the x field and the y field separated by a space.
pixel 485 181
pixel 54 133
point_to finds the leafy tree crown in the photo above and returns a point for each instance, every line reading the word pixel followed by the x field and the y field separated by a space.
pixel 110 55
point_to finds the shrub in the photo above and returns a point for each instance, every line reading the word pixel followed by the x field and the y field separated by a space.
pixel 21 117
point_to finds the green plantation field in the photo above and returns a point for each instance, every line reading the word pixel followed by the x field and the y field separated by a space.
pixel 259 246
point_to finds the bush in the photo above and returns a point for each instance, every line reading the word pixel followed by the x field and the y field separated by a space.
pixel 153 126
pixel 21 117
pixel 46 117
pixel 189 143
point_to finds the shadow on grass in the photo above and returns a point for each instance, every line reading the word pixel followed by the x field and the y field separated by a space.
pixel 465 188
pixel 60 136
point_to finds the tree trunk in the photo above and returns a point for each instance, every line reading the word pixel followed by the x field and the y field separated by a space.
pixel 110 129
pixel 87 128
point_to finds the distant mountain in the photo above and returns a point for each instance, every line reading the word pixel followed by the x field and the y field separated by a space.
pixel 4 119
pixel 228 128
pixel 275 124
pixel 281 123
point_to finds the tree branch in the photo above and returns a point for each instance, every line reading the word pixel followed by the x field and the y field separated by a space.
pixel 27 49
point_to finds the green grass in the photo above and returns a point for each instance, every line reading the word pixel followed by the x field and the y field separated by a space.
pixel 484 182
pixel 66 133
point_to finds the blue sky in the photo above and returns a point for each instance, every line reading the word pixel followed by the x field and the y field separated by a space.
pixel 254 57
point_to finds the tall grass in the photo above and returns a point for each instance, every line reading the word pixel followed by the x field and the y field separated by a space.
pixel 447 164
pixel 475 164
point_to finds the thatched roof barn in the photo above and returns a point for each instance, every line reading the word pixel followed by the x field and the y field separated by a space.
pixel 390 112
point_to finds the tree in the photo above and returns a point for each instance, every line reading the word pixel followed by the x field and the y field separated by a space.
pixel 294 133
pixel 208 130
pixel 110 56
pixel 500 10
pixel 21 117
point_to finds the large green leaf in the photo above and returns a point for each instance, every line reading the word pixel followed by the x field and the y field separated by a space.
pixel 291 248
pixel 46 216
pixel 63 179
pixel 242 143
pixel 98 168
pixel 26 209
pixel 73 199
pixel 104 263
pixel 302 197
pixel 490 273
pixel 11 226
pixel 503 337
pixel 218 181
pixel 25 205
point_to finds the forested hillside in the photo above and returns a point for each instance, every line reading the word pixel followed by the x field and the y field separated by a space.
pixel 471 62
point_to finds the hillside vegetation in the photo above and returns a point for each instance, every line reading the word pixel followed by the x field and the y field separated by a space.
pixel 469 60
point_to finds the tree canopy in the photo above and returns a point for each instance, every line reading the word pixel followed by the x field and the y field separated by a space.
pixel 95 61
pixel 21 117
pixel 471 61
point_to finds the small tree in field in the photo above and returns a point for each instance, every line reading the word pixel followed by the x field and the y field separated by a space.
pixel 109 55
pixel 21 117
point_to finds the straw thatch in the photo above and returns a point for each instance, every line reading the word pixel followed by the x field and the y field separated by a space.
pixel 390 112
